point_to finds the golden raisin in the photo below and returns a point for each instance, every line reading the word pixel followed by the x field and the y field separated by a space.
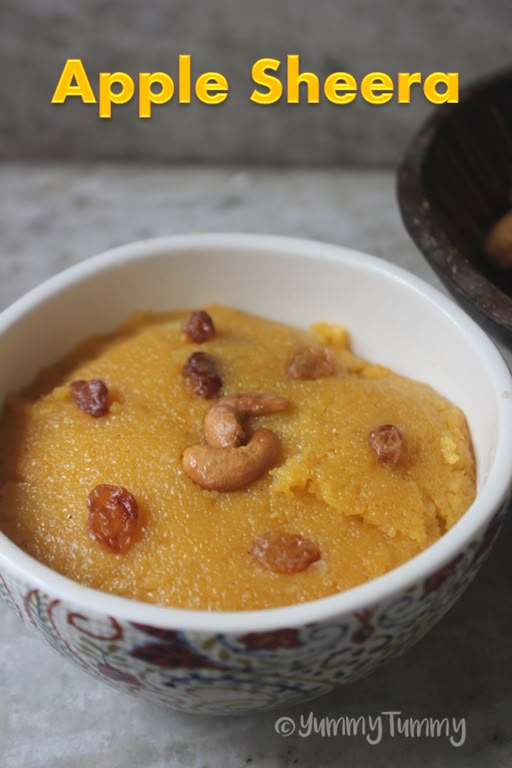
pixel 90 396
pixel 308 363
pixel 202 376
pixel 199 327
pixel 113 514
pixel 283 552
pixel 386 442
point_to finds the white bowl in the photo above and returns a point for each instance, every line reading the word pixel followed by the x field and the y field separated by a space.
pixel 237 661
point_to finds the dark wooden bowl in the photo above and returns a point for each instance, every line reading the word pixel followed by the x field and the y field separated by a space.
pixel 454 182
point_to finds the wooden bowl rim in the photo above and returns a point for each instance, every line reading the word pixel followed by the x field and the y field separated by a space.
pixel 454 269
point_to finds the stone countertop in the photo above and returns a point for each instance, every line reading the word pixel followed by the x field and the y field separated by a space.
pixel 51 713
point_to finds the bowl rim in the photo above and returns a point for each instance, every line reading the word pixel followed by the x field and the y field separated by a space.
pixel 490 498
pixel 452 267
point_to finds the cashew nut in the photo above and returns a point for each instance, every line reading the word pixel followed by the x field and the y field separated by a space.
pixel 223 424
pixel 229 469
pixel 224 463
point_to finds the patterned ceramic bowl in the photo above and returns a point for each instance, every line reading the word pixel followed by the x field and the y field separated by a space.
pixel 233 662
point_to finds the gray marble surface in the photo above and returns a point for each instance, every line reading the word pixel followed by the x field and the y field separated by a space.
pixel 53 715
pixel 356 36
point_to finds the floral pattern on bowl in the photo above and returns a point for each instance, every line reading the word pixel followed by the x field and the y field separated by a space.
pixel 212 673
